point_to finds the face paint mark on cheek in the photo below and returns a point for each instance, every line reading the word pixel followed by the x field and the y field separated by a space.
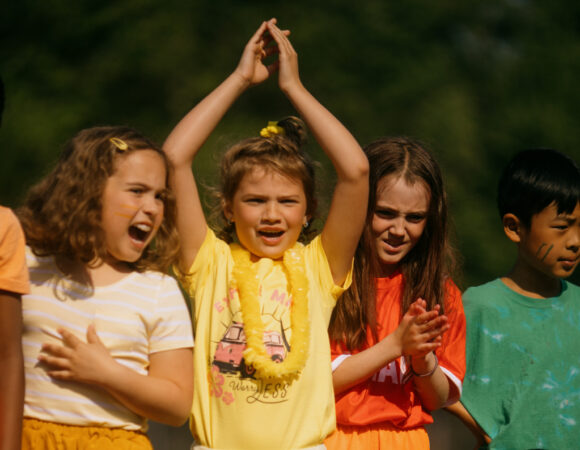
pixel 547 251
pixel 124 215
pixel 540 249
pixel 128 213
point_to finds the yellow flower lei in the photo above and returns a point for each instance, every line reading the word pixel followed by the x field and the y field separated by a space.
pixel 247 282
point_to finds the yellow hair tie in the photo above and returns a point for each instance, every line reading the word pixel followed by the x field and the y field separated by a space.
pixel 119 143
pixel 271 130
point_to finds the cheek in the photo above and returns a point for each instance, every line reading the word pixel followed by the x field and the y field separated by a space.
pixel 378 226
pixel 416 231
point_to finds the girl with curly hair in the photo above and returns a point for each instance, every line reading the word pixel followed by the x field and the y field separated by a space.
pixel 107 338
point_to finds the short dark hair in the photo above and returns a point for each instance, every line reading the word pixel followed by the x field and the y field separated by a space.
pixel 536 178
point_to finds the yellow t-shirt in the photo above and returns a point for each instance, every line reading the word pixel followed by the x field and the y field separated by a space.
pixel 232 409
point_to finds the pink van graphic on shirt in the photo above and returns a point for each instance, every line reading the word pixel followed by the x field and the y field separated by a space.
pixel 229 354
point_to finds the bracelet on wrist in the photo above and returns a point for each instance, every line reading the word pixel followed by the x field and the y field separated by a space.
pixel 428 374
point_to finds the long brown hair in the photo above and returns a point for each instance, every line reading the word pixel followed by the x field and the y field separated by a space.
pixel 425 268
pixel 61 215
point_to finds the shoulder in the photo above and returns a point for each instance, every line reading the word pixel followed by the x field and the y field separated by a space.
pixel 10 229
pixel 474 294
pixel 7 218
pixel 153 279
pixel 571 291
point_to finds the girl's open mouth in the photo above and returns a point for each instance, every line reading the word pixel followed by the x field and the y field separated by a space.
pixel 139 232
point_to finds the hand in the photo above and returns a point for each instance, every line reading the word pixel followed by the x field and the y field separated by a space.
pixel 251 67
pixel 76 360
pixel 420 331
pixel 287 63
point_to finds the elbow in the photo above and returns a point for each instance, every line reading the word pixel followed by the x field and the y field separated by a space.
pixel 434 404
pixel 177 418
pixel 360 171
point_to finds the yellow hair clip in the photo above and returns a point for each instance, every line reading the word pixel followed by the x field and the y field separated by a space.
pixel 271 130
pixel 119 143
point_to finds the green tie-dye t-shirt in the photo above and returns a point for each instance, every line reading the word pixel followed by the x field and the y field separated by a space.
pixel 522 383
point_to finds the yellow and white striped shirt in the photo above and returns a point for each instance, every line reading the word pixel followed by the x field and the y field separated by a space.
pixel 141 314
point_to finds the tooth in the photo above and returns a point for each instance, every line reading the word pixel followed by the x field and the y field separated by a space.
pixel 143 227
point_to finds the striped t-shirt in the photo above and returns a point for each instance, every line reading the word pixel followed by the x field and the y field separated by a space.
pixel 141 314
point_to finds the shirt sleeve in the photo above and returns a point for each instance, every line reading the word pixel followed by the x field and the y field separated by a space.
pixel 13 269
pixel 172 324
pixel 451 354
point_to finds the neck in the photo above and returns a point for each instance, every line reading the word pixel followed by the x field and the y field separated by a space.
pixel 105 273
pixel 532 284
pixel 102 273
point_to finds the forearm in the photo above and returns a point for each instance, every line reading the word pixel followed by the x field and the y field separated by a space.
pixel 359 367
pixel 459 410
pixel 434 389
pixel 337 142
pixel 192 131
pixel 11 371
pixel 163 399
pixel 11 401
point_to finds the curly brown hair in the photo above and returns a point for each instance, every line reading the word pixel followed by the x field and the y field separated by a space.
pixel 281 153
pixel 61 215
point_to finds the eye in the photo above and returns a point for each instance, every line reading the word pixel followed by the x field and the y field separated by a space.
pixel 415 218
pixel 137 190
pixel 560 227
pixel 288 201
pixel 254 200
pixel 385 213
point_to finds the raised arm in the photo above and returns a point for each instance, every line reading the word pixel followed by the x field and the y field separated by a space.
pixel 347 212
pixel 192 131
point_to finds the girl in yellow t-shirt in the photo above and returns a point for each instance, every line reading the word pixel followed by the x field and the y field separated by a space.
pixel 262 300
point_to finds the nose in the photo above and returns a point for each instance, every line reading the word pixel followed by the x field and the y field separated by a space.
pixel 271 212
pixel 397 227
pixel 574 241
pixel 152 205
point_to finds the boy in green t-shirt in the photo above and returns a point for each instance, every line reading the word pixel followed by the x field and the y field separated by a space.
pixel 522 384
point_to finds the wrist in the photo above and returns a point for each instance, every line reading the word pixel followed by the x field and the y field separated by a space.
pixel 423 367
pixel 242 83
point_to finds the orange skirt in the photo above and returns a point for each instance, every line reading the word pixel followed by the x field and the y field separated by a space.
pixel 41 435
pixel 377 438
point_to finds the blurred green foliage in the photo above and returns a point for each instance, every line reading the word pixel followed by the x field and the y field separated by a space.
pixel 477 81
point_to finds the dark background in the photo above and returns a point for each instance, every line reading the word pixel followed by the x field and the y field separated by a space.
pixel 477 81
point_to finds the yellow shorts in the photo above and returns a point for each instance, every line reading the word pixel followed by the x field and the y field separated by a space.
pixel 40 435
pixel 375 438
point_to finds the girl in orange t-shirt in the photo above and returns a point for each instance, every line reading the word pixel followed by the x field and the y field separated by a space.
pixel 398 334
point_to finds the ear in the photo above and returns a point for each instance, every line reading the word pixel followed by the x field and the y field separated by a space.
pixel 512 227
pixel 227 209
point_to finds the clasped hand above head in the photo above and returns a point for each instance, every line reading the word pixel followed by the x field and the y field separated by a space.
pixel 269 40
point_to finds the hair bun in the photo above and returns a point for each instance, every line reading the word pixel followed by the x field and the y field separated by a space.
pixel 295 130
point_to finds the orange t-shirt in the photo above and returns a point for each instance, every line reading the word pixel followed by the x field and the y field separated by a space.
pixel 389 396
pixel 13 269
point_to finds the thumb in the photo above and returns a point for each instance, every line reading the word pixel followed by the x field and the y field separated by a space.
pixel 92 337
